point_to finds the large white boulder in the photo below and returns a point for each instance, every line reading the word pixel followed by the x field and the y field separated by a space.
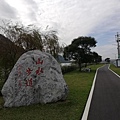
pixel 35 78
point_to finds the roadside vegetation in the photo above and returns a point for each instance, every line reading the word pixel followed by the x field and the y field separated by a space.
pixel 115 69
pixel 79 84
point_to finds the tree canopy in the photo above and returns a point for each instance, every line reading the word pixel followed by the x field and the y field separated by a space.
pixel 80 50
pixel 107 60
pixel 30 37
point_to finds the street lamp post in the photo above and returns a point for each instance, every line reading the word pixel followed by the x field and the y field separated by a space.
pixel 117 37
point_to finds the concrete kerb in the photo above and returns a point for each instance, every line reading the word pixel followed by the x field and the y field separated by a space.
pixel 87 107
pixel 113 71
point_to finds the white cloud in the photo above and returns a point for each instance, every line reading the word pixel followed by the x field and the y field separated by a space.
pixel 71 18
pixel 107 51
pixel 6 11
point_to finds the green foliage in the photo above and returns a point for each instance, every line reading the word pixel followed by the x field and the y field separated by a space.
pixel 115 69
pixel 66 69
pixel 30 37
pixel 107 60
pixel 51 43
pixel 85 42
pixel 96 58
pixel 80 50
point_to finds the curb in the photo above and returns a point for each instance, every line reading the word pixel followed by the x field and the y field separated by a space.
pixel 85 113
pixel 113 71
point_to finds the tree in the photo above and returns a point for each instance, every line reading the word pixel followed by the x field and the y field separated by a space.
pixel 107 60
pixel 9 53
pixel 51 43
pixel 80 50
pixel 29 37
pixel 96 58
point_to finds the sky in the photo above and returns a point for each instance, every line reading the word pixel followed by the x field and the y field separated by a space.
pixel 71 19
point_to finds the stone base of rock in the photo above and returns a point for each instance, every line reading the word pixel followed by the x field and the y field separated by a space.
pixel 35 78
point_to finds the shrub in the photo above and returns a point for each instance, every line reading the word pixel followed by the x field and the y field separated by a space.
pixel 66 69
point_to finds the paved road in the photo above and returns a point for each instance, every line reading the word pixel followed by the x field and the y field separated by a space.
pixel 105 104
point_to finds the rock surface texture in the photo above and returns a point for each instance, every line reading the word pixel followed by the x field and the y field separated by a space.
pixel 35 78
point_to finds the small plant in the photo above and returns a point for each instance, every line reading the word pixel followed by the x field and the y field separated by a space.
pixel 66 69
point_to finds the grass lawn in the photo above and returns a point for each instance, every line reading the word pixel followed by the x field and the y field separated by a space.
pixel 115 69
pixel 79 86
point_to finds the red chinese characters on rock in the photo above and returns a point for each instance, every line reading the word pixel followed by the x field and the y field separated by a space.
pixel 39 70
pixel 29 82
pixel 26 83
pixel 28 71
pixel 39 62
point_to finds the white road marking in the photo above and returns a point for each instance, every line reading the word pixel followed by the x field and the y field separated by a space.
pixel 87 107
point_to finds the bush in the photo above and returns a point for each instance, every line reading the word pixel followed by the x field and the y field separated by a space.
pixel 66 69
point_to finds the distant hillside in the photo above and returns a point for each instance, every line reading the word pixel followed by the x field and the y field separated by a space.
pixel 4 40
pixel 62 60
pixel 9 49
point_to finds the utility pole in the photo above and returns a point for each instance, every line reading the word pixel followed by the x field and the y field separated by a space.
pixel 117 38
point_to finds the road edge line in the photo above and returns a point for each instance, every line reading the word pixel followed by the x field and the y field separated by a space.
pixel 113 71
pixel 86 110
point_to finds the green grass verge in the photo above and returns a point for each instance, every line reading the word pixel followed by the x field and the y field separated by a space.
pixel 115 69
pixel 79 86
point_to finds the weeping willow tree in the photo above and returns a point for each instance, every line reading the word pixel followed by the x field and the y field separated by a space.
pixel 15 39
pixel 51 43
pixel 30 37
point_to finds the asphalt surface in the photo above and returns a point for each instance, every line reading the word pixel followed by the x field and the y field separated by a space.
pixel 105 104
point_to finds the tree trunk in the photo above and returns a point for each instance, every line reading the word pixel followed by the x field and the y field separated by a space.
pixel 79 63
